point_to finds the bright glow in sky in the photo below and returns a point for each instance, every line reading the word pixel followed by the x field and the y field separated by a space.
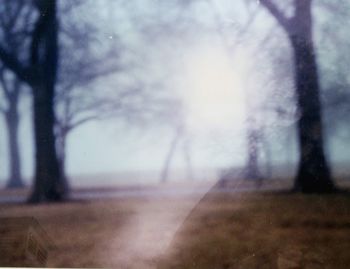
pixel 215 95
pixel 214 86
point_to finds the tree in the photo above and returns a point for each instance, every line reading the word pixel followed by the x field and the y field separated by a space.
pixel 77 101
pixel 253 138
pixel 254 127
pixel 251 169
pixel 39 71
pixel 334 60
pixel 180 135
pixel 11 87
pixel 313 174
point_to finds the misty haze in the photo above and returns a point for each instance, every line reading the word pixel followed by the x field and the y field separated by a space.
pixel 174 134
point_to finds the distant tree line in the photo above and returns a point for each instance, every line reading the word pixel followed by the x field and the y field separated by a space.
pixel 54 61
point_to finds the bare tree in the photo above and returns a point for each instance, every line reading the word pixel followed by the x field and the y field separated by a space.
pixel 181 135
pixel 39 71
pixel 75 105
pixel 78 99
pixel 334 59
pixel 13 14
pixel 313 172
pixel 11 90
pixel 254 132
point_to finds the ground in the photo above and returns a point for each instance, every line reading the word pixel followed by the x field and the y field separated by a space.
pixel 219 230
pixel 264 231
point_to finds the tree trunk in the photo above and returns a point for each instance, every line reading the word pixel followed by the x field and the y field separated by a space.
pixel 313 172
pixel 12 121
pixel 252 163
pixel 187 157
pixel 61 140
pixel 48 185
pixel 169 156
pixel 268 155
pixel 252 168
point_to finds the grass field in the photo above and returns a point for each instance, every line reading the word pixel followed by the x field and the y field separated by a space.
pixel 224 230
pixel 264 231
pixel 116 233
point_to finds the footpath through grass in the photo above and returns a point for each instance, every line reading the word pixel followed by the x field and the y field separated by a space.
pixel 224 230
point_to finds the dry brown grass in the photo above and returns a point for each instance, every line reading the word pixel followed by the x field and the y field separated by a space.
pixel 115 233
pixel 79 230
pixel 222 231
pixel 264 231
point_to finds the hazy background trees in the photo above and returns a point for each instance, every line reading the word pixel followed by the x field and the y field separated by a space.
pixel 11 86
pixel 220 73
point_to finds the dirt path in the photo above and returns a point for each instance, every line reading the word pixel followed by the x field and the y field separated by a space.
pixel 150 231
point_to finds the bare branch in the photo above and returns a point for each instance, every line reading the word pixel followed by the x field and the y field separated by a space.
pixel 218 21
pixel 278 14
pixel 15 66
pixel 4 85
pixel 3 104
pixel 13 14
pixel 87 76
pixel 334 7
pixel 82 121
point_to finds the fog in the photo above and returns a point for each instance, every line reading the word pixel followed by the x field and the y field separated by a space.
pixel 218 62
pixel 174 133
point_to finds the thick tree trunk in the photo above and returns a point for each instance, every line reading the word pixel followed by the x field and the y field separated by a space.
pixel 41 75
pixel 313 172
pixel 48 185
pixel 12 121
